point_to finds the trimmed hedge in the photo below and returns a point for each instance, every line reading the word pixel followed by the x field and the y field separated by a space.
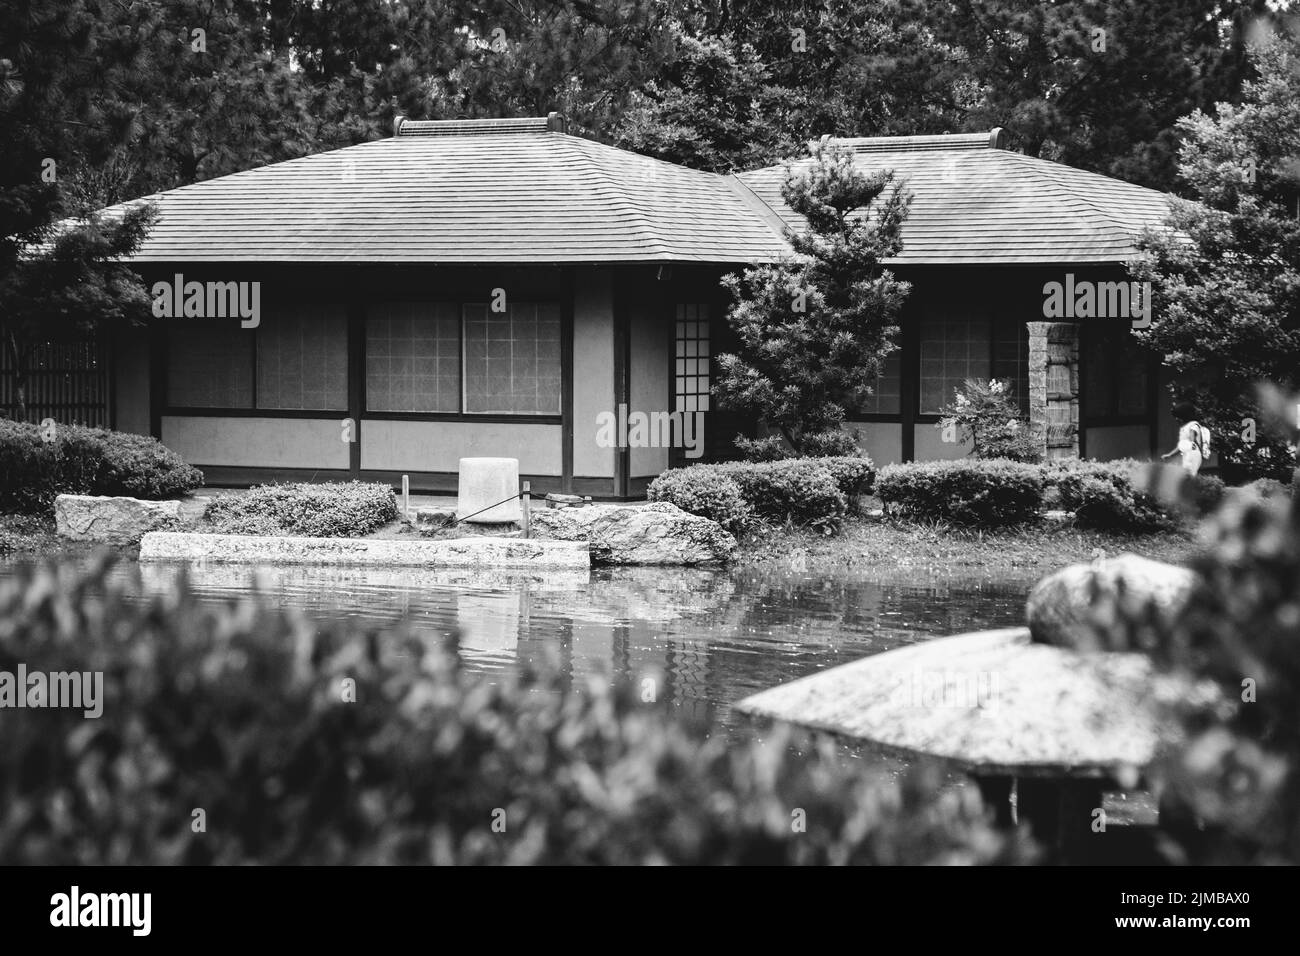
pixel 854 475
pixel 988 492
pixel 817 492
pixel 340 510
pixel 798 490
pixel 1108 495
pixel 702 490
pixel 85 461
pixel 314 745
pixel 1102 495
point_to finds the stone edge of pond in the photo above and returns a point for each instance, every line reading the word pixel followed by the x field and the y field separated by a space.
pixel 490 552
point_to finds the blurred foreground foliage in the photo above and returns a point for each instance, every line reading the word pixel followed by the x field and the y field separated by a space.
pixel 241 712
pixel 1235 784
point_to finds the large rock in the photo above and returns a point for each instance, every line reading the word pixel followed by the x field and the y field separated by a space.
pixel 471 552
pixel 1071 607
pixel 111 520
pixel 657 533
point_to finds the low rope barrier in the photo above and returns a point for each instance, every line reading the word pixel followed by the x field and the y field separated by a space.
pixel 489 507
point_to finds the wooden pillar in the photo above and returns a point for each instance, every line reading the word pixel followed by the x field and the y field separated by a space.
pixel 1054 386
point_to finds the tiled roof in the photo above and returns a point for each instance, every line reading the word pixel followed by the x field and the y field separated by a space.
pixel 465 191
pixel 523 191
pixel 974 204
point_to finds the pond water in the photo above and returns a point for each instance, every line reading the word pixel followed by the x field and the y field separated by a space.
pixel 711 637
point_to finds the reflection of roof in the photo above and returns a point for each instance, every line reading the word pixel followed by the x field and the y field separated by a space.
pixel 523 191
pixel 975 203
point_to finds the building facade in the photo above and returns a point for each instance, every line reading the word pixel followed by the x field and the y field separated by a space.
pixel 503 288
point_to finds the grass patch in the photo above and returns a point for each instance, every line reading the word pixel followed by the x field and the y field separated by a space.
pixel 885 544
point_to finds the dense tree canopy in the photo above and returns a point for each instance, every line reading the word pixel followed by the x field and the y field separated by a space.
pixel 107 100
pixel 1227 303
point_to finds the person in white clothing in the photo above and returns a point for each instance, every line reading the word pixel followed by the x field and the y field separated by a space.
pixel 1193 438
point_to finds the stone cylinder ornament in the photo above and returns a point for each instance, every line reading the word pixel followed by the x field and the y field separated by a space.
pixel 488 482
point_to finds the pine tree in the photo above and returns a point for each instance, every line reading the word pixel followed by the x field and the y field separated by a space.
pixel 815 327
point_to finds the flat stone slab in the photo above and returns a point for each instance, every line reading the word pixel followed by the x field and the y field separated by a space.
pixel 470 552
pixel 113 520
pixel 995 703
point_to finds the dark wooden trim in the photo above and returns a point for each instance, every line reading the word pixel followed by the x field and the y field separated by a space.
pixel 485 418
pixel 110 341
pixel 1117 421
pixel 1154 370
pixel 1081 393
pixel 909 385
pixel 356 379
pixel 622 377
pixel 597 487
pixel 239 476
pixel 340 413
pixel 422 482
pixel 157 376
pixel 875 418
pixel 288 413
pixel 567 304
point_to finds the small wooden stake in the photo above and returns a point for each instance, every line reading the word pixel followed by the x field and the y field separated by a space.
pixel 527 504
pixel 406 497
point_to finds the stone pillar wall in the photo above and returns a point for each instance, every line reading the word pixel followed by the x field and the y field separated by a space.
pixel 1054 386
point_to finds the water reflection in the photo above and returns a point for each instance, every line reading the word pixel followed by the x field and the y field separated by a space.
pixel 709 637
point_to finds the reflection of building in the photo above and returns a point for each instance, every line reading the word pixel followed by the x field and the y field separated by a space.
pixel 488 287
pixel 490 621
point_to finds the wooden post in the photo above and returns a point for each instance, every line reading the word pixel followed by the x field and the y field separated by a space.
pixel 527 505
pixel 406 497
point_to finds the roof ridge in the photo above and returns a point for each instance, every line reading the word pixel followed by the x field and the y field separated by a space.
pixel 404 128
pixel 756 202
pixel 993 139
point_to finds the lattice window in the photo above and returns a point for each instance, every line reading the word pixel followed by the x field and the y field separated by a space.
pixel 691 390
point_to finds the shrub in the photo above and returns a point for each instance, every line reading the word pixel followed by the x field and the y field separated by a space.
pixel 836 443
pixel 341 510
pixel 1208 492
pixel 798 490
pixel 810 491
pixel 1263 488
pixel 85 461
pixel 854 476
pixel 983 415
pixel 767 448
pixel 702 490
pixel 1107 495
pixel 971 492
pixel 1231 789
pixel 240 710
